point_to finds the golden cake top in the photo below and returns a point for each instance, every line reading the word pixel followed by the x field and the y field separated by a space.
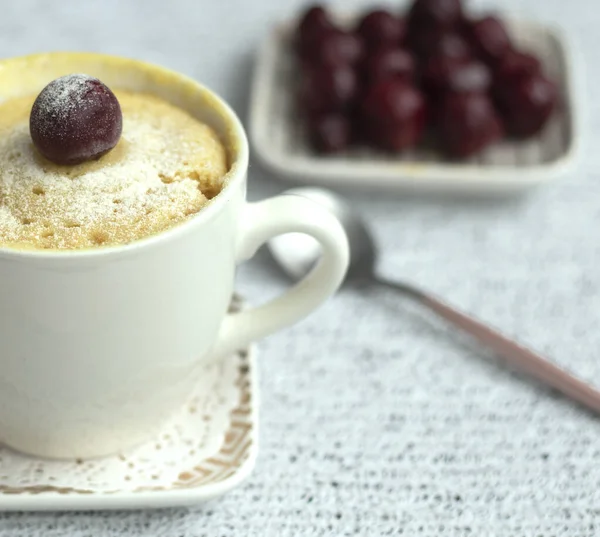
pixel 166 166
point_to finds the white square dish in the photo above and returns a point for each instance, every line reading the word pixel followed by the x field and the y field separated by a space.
pixel 510 166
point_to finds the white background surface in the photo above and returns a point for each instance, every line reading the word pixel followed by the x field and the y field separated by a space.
pixel 375 419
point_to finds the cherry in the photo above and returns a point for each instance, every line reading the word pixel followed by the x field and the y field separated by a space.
pixel 327 89
pixel 380 28
pixel 392 100
pixel 393 114
pixel 471 77
pixel 335 48
pixel 436 74
pixel 390 63
pixel 442 74
pixel 75 118
pixel 314 22
pixel 330 133
pixel 490 38
pixel 468 124
pixel 450 45
pixel 527 104
pixel 438 13
pixel 438 42
pixel 515 64
pixel 397 137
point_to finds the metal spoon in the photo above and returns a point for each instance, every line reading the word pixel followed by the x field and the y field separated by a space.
pixel 296 254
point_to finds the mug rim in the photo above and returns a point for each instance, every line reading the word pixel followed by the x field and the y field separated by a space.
pixel 239 158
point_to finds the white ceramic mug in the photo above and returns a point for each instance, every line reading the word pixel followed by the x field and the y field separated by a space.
pixel 100 347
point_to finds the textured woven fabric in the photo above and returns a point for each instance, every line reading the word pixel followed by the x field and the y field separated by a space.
pixel 380 420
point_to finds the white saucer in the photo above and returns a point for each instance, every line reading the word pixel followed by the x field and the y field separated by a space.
pixel 207 449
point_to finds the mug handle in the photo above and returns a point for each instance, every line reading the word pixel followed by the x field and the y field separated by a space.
pixel 261 222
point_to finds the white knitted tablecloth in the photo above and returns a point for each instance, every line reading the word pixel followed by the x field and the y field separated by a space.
pixel 379 420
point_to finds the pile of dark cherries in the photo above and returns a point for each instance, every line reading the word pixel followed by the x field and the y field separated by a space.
pixel 434 77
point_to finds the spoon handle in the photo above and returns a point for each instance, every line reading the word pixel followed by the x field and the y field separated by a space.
pixel 515 354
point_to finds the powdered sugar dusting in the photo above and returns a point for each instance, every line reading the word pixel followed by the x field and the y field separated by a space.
pixel 65 93
pixel 164 169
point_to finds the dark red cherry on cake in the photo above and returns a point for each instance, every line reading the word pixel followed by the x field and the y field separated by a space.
pixel 334 48
pixel 490 38
pixel 527 104
pixel 390 63
pixel 330 133
pixel 468 124
pixel 394 114
pixel 327 89
pixel 380 28
pixel 314 22
pixel 435 13
pixel 74 119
